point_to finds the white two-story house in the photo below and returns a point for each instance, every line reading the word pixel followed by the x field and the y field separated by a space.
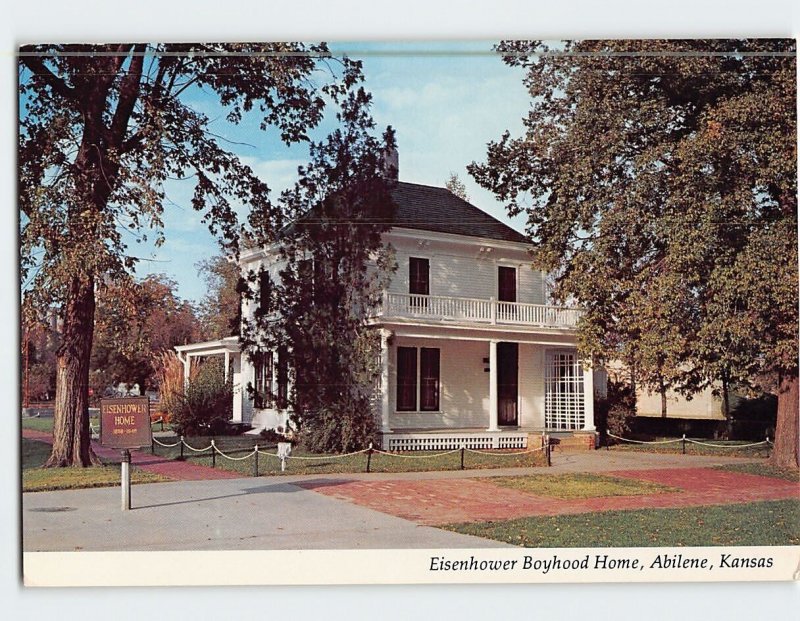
pixel 471 353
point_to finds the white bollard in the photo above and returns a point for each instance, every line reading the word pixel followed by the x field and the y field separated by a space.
pixel 126 480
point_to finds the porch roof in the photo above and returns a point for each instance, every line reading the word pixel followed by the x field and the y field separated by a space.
pixel 229 345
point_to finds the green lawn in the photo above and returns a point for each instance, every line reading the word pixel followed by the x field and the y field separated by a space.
pixel 568 486
pixel 38 479
pixel 38 423
pixel 764 470
pixel 767 523
pixel 724 448
pixel 303 462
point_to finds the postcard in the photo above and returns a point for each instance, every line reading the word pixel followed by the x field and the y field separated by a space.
pixel 477 312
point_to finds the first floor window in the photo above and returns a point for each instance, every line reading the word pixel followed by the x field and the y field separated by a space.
pixel 264 378
pixel 429 379
pixel 418 379
pixel 283 378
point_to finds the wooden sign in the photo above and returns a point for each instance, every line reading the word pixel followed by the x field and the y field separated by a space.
pixel 125 423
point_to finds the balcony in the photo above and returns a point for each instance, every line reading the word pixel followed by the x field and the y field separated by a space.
pixel 472 310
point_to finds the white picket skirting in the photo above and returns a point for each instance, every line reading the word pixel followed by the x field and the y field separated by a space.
pixel 442 441
pixel 491 311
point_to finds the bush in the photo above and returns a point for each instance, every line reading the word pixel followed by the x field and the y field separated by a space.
pixel 332 431
pixel 615 413
pixel 206 407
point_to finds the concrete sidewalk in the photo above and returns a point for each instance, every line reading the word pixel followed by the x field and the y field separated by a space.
pixel 233 514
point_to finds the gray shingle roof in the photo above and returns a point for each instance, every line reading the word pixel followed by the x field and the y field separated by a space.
pixel 428 208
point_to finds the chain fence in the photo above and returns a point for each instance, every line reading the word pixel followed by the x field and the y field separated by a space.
pixel 286 457
pixel 683 441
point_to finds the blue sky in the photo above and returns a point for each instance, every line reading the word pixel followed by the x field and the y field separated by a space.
pixel 445 101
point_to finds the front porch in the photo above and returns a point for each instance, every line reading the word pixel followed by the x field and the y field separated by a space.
pixel 478 439
pixel 444 388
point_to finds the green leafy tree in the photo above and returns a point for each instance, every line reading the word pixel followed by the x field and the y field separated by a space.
pixel 221 308
pixel 101 129
pixel 333 267
pixel 137 320
pixel 457 187
pixel 659 179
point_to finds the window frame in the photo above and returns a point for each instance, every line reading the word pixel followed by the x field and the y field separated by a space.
pixel 410 379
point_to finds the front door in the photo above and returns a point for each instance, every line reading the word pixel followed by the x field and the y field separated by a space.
pixel 507 383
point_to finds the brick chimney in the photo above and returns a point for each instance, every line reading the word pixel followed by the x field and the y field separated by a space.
pixel 391 164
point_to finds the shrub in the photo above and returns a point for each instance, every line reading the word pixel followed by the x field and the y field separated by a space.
pixel 207 404
pixel 615 413
pixel 332 431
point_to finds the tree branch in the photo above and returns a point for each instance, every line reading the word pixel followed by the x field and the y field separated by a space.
pixel 38 68
pixel 128 93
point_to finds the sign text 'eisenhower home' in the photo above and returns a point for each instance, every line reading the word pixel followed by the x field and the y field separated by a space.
pixel 125 423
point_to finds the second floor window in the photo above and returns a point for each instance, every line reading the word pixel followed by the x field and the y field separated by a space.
pixel 264 291
pixel 419 276
pixel 507 284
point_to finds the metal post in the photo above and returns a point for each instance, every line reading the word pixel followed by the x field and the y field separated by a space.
pixel 213 454
pixel 547 451
pixel 369 455
pixel 255 465
pixel 126 480
pixel 683 443
pixel 462 456
pixel 181 443
pixel 152 445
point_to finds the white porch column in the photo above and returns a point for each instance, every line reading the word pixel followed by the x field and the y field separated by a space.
pixel 227 364
pixel 588 396
pixel 493 386
pixel 238 413
pixel 187 365
pixel 385 336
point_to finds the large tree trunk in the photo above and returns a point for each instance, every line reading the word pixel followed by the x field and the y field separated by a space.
pixel 786 453
pixel 662 390
pixel 71 432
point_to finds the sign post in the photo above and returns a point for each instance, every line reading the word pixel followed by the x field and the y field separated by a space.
pixel 125 424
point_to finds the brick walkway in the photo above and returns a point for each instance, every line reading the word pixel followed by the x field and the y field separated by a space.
pixel 433 502
pixel 177 470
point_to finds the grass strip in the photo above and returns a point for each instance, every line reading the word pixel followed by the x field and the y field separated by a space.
pixel 38 479
pixel 763 470
pixel 768 523
pixel 580 485
pixel 723 448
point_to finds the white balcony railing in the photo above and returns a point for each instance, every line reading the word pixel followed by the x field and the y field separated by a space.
pixel 491 311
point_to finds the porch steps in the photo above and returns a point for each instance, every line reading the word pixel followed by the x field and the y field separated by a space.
pixel 574 442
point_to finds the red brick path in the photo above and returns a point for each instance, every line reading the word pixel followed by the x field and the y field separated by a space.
pixel 178 470
pixel 446 501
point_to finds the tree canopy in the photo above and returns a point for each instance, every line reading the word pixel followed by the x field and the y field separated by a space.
pixel 136 321
pixel 659 180
pixel 102 128
pixel 220 310
pixel 331 269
